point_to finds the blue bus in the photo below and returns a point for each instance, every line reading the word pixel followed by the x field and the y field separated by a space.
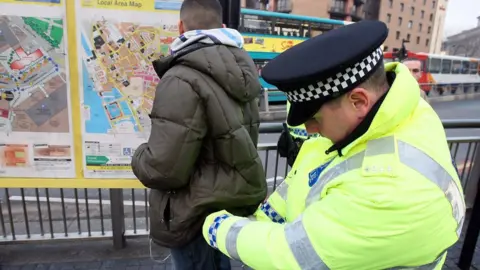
pixel 267 34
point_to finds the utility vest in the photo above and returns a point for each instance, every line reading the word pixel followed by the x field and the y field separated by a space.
pixel 393 200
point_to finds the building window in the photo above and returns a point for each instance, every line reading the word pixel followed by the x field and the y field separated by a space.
pixel 385 49
pixel 408 37
pixel 390 3
pixel 338 6
pixel 400 20
pixel 433 4
pixel 422 14
pixel 418 40
pixel 431 17
pixel 410 24
pixel 389 18
pixel 412 10
pixel 402 6
pixel 284 6
pixel 427 42
pixel 424 2
pixel 420 27
pixel 397 35
pixel 429 30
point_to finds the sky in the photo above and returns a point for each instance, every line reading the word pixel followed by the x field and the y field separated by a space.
pixel 461 15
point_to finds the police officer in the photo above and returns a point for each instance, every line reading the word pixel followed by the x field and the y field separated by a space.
pixel 291 140
pixel 383 194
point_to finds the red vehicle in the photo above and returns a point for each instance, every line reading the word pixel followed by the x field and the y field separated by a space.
pixel 426 79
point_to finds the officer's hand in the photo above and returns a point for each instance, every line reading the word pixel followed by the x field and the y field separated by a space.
pixel 212 218
pixel 285 142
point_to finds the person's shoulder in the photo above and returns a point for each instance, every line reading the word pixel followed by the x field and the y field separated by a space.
pixel 176 82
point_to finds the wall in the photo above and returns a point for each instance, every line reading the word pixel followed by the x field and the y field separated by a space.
pixel 423 35
pixel 438 26
pixel 316 8
pixel 466 43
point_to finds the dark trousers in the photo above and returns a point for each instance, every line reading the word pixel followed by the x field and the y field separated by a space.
pixel 198 255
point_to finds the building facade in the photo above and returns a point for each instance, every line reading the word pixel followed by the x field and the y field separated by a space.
pixel 346 10
pixel 466 43
pixel 438 27
pixel 413 21
pixel 420 22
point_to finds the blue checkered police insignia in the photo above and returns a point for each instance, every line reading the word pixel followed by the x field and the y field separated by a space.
pixel 271 213
pixel 212 231
pixel 314 175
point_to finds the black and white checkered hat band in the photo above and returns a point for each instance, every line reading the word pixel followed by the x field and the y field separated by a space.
pixel 338 83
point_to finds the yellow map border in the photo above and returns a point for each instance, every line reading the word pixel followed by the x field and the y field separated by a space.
pixel 32 3
pixel 79 181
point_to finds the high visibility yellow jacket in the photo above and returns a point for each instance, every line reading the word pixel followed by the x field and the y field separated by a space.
pixel 392 200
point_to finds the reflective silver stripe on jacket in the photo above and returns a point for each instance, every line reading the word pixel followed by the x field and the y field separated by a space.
pixel 411 157
pixel 232 235
pixel 295 233
pixel 430 169
pixel 306 257
pixel 282 190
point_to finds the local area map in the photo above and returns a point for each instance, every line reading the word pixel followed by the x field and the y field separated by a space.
pixel 33 88
pixel 118 78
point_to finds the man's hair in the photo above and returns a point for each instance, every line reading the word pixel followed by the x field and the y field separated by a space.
pixel 377 82
pixel 201 14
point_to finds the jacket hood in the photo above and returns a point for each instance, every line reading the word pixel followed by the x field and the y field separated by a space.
pixel 400 102
pixel 219 54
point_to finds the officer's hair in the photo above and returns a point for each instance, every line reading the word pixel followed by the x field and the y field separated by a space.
pixel 201 14
pixel 377 82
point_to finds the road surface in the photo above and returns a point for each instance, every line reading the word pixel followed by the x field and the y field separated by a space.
pixel 65 214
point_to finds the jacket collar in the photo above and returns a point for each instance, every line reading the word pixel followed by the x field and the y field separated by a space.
pixel 389 112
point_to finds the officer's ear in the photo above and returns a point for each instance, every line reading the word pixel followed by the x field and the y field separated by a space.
pixel 361 101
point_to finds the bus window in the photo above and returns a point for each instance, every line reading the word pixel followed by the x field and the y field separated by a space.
pixel 456 67
pixel 465 67
pixel 446 66
pixel 256 24
pixel 473 67
pixel 435 65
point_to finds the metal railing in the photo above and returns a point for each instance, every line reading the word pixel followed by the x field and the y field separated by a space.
pixel 47 214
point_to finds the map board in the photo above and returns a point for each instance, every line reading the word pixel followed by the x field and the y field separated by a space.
pixel 76 88
pixel 35 108
pixel 117 42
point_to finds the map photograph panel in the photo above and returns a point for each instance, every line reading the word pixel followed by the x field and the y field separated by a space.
pixel 119 81
pixel 33 86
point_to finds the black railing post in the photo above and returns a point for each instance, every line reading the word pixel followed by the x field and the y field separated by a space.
pixel 471 236
pixel 118 218
pixel 473 229
pixel 231 13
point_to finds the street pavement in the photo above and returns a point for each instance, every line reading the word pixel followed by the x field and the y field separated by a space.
pixel 99 255
pixel 81 212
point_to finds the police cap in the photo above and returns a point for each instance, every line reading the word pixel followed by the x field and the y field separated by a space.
pixel 326 66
